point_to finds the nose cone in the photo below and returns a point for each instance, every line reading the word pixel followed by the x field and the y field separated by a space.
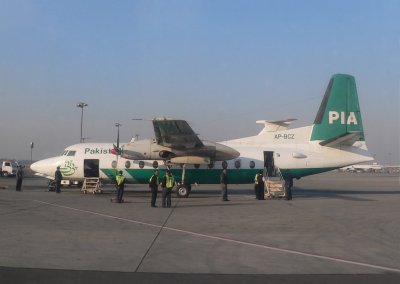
pixel 224 152
pixel 46 167
pixel 37 167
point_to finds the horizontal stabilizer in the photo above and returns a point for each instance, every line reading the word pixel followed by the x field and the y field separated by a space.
pixel 346 139
pixel 276 125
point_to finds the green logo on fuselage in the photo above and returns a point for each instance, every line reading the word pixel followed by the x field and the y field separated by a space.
pixel 68 169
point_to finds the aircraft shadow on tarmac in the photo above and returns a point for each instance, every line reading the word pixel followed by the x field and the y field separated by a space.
pixel 340 194
pixel 297 192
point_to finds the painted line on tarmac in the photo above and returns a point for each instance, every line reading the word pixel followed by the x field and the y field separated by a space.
pixel 290 251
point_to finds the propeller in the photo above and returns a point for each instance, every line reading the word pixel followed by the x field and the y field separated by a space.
pixel 117 150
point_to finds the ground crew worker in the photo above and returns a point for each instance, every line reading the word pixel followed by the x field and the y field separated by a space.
pixel 120 181
pixel 260 186
pixel 255 186
pixel 167 185
pixel 153 184
pixel 224 185
pixel 57 179
pixel 288 186
pixel 20 177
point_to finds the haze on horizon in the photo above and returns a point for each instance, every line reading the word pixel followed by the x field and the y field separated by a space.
pixel 220 65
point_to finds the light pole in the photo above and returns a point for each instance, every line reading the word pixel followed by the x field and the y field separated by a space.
pixel 31 145
pixel 81 105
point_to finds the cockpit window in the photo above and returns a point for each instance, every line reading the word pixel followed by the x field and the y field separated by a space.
pixel 65 153
pixel 71 153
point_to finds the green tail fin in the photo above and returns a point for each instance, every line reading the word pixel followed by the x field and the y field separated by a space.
pixel 339 113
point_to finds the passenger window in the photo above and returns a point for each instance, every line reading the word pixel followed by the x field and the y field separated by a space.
pixel 127 164
pixel 197 166
pixel 141 164
pixel 224 164
pixel 237 164
pixel 114 164
pixel 252 165
pixel 155 164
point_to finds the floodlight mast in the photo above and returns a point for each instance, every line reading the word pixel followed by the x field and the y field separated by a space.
pixel 81 105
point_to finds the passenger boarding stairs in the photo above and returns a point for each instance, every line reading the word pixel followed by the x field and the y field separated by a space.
pixel 91 185
pixel 274 184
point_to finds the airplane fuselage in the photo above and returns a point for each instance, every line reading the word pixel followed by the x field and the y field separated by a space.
pixel 292 152
pixel 335 140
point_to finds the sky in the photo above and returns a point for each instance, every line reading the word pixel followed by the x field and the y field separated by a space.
pixel 221 65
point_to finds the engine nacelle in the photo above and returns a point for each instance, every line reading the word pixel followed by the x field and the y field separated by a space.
pixel 191 160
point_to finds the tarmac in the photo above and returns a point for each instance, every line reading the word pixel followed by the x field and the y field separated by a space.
pixel 339 227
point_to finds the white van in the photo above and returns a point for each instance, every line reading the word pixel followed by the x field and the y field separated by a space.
pixel 8 168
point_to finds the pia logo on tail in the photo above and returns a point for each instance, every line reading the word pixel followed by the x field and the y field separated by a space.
pixel 335 116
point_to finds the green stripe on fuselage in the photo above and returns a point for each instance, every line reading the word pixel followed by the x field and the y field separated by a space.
pixel 210 176
pixel 204 176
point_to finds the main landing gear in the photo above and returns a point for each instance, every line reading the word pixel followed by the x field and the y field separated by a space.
pixel 183 189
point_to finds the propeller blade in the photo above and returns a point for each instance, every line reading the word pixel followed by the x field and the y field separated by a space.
pixel 117 148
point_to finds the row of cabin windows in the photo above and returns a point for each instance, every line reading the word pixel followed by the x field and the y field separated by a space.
pixel 237 164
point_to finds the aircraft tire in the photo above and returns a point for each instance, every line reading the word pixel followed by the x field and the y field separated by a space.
pixel 183 190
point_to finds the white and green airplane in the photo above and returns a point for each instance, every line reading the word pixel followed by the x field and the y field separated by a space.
pixel 335 140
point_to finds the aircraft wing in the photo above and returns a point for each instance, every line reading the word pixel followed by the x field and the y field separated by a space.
pixel 176 134
pixel 346 139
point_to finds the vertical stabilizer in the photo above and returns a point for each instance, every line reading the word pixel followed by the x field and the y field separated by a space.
pixel 339 113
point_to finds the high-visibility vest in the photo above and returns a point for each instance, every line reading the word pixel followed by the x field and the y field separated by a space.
pixel 170 181
pixel 256 178
pixel 120 179
pixel 152 178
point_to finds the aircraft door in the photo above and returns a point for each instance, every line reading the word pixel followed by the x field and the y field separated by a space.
pixel 269 165
pixel 91 167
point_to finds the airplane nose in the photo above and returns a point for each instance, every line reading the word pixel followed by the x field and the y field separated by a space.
pixel 46 166
pixel 37 167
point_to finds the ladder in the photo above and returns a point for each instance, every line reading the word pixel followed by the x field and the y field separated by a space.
pixel 91 185
pixel 274 185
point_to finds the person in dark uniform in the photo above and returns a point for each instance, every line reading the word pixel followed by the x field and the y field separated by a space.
pixel 288 186
pixel 20 177
pixel 153 184
pixel 224 185
pixel 120 182
pixel 260 185
pixel 255 186
pixel 167 185
pixel 57 179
